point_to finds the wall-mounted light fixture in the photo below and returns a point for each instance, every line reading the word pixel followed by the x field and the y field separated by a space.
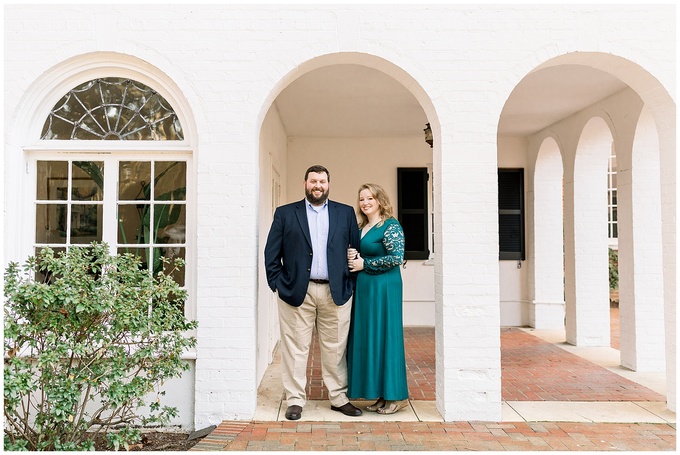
pixel 428 134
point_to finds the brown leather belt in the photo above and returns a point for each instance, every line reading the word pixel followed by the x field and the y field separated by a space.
pixel 319 281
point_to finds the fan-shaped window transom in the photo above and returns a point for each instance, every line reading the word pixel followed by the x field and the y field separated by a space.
pixel 112 108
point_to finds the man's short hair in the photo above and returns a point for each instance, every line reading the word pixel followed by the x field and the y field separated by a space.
pixel 319 169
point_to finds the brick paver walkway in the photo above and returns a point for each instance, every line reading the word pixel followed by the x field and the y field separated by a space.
pixel 532 369
pixel 420 365
pixel 430 436
pixel 535 370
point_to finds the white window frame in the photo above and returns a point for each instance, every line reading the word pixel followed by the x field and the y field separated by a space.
pixel 49 90
pixel 111 158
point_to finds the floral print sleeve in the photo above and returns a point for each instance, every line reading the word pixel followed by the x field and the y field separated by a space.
pixel 393 240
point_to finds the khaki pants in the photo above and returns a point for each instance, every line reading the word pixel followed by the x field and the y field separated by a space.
pixel 332 324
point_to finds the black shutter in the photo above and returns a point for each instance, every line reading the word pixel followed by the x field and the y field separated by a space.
pixel 412 210
pixel 511 214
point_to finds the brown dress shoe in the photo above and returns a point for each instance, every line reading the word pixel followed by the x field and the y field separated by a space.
pixel 348 409
pixel 294 412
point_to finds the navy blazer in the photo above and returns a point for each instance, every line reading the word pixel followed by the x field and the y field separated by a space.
pixel 288 252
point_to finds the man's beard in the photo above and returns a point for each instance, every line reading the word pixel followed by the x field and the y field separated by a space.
pixel 316 200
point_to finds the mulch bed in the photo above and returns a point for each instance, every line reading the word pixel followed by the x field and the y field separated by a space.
pixel 157 440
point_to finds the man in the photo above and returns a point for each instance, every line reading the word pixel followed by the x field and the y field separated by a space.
pixel 306 262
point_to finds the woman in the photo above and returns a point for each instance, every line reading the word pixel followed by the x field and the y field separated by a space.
pixel 376 363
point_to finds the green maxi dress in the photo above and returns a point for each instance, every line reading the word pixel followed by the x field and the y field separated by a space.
pixel 376 363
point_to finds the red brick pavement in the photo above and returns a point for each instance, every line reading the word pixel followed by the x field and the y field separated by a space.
pixel 420 363
pixel 431 436
pixel 531 370
pixel 534 370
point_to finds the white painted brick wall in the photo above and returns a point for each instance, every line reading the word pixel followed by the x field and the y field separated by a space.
pixel 228 62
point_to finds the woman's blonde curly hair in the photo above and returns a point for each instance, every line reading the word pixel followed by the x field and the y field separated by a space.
pixel 380 195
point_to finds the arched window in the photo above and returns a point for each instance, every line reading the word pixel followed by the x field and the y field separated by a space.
pixel 134 199
pixel 112 108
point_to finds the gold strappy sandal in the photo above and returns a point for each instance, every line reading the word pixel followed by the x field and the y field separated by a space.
pixel 393 406
pixel 377 405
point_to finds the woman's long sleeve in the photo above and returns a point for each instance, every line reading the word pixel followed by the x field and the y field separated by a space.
pixel 394 242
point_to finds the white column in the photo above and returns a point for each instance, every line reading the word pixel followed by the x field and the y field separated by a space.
pixel 640 251
pixel 666 121
pixel 586 264
pixel 226 387
pixel 466 271
pixel 545 238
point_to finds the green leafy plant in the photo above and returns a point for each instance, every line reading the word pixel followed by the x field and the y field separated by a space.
pixel 87 347
pixel 613 269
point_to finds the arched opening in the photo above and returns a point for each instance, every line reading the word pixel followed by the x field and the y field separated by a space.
pixel 586 107
pixel 353 114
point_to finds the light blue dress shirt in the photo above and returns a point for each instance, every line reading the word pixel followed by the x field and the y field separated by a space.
pixel 317 217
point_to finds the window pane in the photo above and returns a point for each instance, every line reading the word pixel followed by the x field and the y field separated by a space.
pixel 156 263
pixel 112 89
pixel 86 223
pixel 412 210
pixel 134 180
pixel 170 223
pixel 170 253
pixel 170 180
pixel 88 181
pixel 413 195
pixel 167 127
pixel 56 128
pixel 52 180
pixel 144 254
pixel 136 129
pixel 50 223
pixel 133 223
pixel 93 126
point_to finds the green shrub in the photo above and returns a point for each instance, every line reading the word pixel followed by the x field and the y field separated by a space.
pixel 86 347
pixel 613 269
